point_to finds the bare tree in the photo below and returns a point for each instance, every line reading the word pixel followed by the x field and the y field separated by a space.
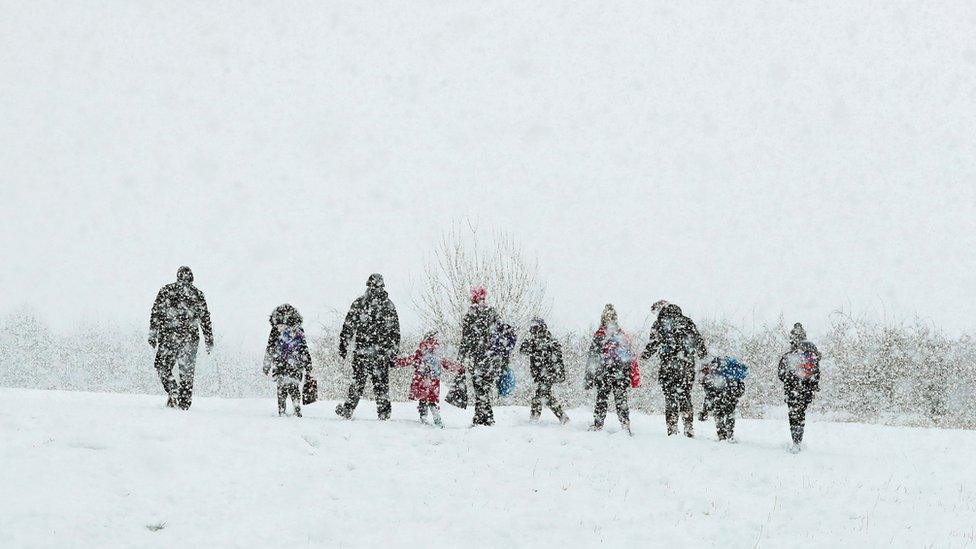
pixel 461 260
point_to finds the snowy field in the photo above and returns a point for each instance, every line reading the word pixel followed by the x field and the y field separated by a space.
pixel 107 470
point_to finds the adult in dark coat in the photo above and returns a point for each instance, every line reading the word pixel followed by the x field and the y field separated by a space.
pixel 475 353
pixel 373 324
pixel 546 366
pixel 286 357
pixel 675 340
pixel 799 370
pixel 178 315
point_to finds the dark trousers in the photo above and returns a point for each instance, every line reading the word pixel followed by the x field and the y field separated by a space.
pixel 543 395
pixel 723 406
pixel 603 389
pixel 379 372
pixel 289 387
pixel 178 354
pixel 708 404
pixel 483 381
pixel 797 401
pixel 677 379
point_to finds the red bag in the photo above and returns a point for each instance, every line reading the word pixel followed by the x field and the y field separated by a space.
pixel 634 374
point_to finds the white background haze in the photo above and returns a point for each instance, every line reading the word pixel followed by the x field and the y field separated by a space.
pixel 744 161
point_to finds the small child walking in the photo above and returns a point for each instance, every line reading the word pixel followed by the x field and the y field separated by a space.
pixel 428 362
pixel 286 357
pixel 724 381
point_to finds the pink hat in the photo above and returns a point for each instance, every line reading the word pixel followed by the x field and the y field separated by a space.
pixel 478 294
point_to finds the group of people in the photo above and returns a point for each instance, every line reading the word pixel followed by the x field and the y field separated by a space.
pixel 372 326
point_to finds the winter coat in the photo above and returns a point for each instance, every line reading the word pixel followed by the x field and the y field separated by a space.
pixel 720 382
pixel 610 358
pixel 545 357
pixel 799 370
pixel 286 356
pixel 477 333
pixel 180 311
pixel 373 323
pixel 675 339
pixel 428 362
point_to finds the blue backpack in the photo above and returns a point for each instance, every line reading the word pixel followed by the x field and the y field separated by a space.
pixel 732 369
pixel 506 382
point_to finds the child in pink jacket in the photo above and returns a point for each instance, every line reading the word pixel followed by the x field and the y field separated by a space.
pixel 428 362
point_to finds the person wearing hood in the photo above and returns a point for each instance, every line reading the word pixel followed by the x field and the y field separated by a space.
pixel 373 325
pixel 608 369
pixel 286 357
pixel 675 340
pixel 478 330
pixel 178 314
pixel 799 370
pixel 546 366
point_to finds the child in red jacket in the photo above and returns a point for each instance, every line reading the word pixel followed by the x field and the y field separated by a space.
pixel 428 362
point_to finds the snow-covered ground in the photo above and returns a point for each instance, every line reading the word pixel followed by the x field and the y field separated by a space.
pixel 108 470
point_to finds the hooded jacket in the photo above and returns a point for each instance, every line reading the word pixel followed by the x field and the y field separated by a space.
pixel 799 368
pixel 477 332
pixel 674 337
pixel 545 355
pixel 287 354
pixel 180 310
pixel 372 322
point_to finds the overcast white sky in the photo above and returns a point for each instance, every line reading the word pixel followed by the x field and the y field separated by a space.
pixel 744 160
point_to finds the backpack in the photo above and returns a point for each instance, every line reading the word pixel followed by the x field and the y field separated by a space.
pixel 806 367
pixel 506 382
pixel 733 370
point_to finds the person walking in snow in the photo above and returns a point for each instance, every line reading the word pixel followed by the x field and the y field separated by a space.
pixel 178 314
pixel 428 362
pixel 608 369
pixel 799 370
pixel 372 323
pixel 546 366
pixel 475 353
pixel 675 340
pixel 723 378
pixel 286 357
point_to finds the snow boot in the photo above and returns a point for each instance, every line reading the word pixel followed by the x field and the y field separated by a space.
pixel 298 412
pixel 534 417
pixel 671 418
pixel 436 413
pixel 595 427
pixel 343 411
pixel 563 419
pixel 689 419
pixel 626 427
